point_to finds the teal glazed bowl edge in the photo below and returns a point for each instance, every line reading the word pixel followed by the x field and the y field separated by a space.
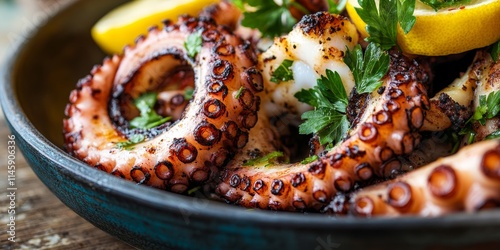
pixel 34 89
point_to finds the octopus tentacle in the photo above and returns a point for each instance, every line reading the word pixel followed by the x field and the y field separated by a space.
pixel 388 127
pixel 468 180
pixel 190 150
pixel 452 106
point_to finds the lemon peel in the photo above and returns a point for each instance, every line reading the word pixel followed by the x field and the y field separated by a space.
pixel 124 24
pixel 447 31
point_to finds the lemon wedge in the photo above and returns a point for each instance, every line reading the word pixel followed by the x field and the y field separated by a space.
pixel 447 31
pixel 124 24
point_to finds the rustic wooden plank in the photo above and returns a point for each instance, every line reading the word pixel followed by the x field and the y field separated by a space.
pixel 42 221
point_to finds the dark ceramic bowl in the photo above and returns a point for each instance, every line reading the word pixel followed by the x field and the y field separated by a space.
pixel 33 94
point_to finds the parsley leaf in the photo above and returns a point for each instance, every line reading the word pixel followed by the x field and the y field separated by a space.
pixel 148 117
pixel 330 125
pixel 328 93
pixel 267 159
pixel 367 69
pixel 335 6
pixel 489 107
pixel 440 4
pixel 382 22
pixel 193 43
pixel 267 16
pixel 329 99
pixel 405 14
pixel 130 144
pixel 283 73
pixel 495 51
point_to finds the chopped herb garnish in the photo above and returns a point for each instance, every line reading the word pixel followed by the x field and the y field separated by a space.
pixel 336 7
pixel 270 18
pixel 329 100
pixel 382 22
pixel 188 93
pixel 309 159
pixel 441 4
pixel 331 126
pixel 266 160
pixel 488 108
pixel 238 93
pixel 148 117
pixel 367 69
pixel 493 135
pixel 283 73
pixel 193 43
pixel 193 190
pixel 328 93
pixel 495 51
pixel 130 144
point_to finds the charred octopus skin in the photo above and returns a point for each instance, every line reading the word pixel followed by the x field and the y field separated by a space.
pixel 174 155
pixel 467 181
pixel 388 127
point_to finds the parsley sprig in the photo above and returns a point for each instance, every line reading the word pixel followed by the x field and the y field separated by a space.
pixel 382 22
pixel 369 68
pixel 148 117
pixel 489 107
pixel 270 18
pixel 329 97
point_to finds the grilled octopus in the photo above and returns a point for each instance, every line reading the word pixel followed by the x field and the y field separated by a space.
pixel 177 153
pixel 232 115
pixel 389 127
pixel 468 180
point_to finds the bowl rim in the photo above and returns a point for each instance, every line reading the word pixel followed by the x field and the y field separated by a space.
pixel 176 203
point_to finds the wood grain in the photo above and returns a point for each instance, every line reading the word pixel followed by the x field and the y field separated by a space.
pixel 42 221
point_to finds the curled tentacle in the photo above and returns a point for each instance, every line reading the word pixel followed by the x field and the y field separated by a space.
pixel 468 180
pixel 388 127
pixel 190 150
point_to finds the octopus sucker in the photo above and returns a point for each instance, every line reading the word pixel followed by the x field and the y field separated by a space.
pixel 311 186
pixel 466 181
pixel 191 148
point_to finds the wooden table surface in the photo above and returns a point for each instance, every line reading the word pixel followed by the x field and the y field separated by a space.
pixel 41 220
